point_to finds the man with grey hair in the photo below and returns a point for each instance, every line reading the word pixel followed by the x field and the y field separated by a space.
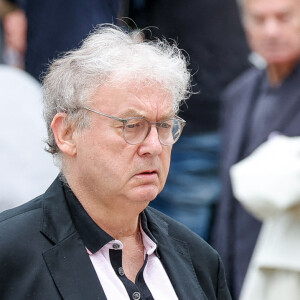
pixel 258 105
pixel 110 109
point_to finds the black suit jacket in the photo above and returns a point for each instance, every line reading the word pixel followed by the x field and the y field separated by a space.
pixel 43 257
pixel 235 230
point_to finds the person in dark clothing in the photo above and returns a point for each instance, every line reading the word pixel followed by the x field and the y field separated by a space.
pixel 57 26
pixel 259 104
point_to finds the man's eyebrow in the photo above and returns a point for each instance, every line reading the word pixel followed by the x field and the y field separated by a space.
pixel 130 113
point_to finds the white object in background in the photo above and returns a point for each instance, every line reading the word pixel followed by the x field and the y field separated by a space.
pixel 268 181
pixel 26 169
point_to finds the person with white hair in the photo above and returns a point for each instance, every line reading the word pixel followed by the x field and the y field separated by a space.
pixel 111 112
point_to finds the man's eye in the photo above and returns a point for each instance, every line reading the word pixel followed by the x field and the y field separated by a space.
pixel 286 17
pixel 134 125
pixel 165 125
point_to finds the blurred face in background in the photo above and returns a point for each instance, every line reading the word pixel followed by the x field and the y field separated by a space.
pixel 273 29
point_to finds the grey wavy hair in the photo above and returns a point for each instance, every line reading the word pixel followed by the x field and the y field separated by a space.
pixel 110 55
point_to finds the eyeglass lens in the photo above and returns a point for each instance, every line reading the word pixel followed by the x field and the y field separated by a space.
pixel 136 130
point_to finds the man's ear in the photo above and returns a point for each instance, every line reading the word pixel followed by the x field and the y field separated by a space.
pixel 64 134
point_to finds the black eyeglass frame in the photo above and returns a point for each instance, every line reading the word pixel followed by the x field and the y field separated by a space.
pixel 182 123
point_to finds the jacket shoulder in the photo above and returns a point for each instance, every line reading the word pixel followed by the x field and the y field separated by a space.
pixel 19 225
pixel 20 211
pixel 237 87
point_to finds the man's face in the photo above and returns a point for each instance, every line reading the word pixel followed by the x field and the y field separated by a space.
pixel 273 29
pixel 108 168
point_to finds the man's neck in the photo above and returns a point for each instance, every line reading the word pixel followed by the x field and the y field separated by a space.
pixel 117 217
pixel 118 227
pixel 277 73
pixel 118 221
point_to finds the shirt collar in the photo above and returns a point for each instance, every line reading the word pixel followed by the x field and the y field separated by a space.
pixel 93 237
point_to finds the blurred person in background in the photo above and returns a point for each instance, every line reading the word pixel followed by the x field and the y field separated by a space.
pixel 257 104
pixel 212 35
pixel 1 42
pixel 13 34
pixel 1 32
pixel 26 167
pixel 111 113
pixel 37 31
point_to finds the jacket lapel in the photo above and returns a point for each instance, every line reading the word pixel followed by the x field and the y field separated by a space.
pixel 239 112
pixel 177 262
pixel 72 271
pixel 68 261
pixel 179 267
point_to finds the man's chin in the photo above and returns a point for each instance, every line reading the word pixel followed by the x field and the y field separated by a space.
pixel 279 59
pixel 146 193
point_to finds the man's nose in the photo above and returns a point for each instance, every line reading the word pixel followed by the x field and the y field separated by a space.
pixel 151 144
pixel 271 27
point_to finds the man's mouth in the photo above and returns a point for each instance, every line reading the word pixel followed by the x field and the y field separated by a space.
pixel 152 172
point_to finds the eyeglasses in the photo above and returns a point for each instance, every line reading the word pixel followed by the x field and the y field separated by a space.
pixel 135 130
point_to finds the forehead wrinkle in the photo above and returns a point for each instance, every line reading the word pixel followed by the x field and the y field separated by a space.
pixel 146 104
pixel 143 101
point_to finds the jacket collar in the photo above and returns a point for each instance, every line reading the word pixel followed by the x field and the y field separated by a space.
pixel 57 223
pixel 67 260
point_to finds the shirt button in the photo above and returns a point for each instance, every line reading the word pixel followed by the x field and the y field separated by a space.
pixel 136 296
pixel 116 246
pixel 121 271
